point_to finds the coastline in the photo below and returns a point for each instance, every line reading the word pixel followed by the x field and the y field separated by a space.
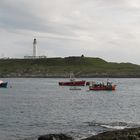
pixel 125 134
pixel 81 67
pixel 66 76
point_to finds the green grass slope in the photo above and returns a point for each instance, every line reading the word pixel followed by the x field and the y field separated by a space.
pixel 61 67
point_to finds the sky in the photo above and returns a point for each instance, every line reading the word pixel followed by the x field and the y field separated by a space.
pixel 109 29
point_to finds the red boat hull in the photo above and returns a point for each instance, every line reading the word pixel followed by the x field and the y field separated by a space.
pixel 73 83
pixel 113 87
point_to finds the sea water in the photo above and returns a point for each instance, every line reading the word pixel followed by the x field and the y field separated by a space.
pixel 30 107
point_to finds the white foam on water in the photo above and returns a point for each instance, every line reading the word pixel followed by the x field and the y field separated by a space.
pixel 114 127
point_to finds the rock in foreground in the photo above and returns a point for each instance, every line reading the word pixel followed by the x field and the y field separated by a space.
pixel 125 134
pixel 55 137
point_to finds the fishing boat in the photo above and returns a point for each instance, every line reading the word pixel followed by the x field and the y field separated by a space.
pixel 102 86
pixel 3 84
pixel 73 82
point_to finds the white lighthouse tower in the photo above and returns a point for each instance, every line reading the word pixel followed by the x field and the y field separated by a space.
pixel 34 55
pixel 34 47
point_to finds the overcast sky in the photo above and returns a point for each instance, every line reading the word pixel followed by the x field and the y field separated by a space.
pixel 109 29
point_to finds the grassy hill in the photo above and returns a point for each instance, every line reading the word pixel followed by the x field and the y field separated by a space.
pixel 61 67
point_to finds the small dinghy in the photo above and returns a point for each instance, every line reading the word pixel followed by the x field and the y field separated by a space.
pixel 3 84
pixel 74 88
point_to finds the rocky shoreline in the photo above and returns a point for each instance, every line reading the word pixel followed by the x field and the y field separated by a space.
pixel 125 134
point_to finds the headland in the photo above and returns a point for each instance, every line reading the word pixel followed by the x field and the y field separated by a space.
pixel 88 67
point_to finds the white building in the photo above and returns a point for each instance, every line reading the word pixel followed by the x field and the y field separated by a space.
pixel 34 56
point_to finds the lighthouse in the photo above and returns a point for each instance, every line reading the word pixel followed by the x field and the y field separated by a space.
pixel 34 47
pixel 34 55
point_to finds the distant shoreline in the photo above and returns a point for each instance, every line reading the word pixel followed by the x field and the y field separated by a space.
pixel 81 67
pixel 64 76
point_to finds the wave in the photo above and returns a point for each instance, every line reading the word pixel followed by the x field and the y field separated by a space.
pixel 112 125
pixel 87 129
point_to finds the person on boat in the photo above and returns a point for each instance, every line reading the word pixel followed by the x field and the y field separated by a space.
pixel 109 85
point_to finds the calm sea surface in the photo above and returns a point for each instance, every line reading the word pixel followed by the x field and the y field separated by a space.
pixel 30 107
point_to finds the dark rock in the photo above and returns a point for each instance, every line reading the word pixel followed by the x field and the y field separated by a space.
pixel 125 134
pixel 55 137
